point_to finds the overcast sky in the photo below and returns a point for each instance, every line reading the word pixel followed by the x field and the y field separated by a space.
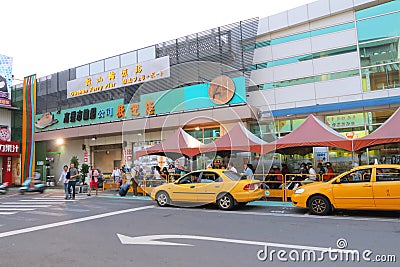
pixel 45 37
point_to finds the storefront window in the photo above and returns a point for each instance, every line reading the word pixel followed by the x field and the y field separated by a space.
pixel 381 77
pixel 205 135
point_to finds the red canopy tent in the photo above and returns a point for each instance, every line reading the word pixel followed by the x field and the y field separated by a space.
pixel 312 132
pixel 388 132
pixel 178 144
pixel 237 139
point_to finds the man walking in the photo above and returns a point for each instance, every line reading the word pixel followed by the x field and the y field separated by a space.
pixel 65 179
pixel 73 173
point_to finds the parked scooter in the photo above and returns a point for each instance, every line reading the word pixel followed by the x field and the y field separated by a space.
pixel 3 188
pixel 29 185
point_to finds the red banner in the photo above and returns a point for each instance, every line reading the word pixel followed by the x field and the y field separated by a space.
pixel 9 148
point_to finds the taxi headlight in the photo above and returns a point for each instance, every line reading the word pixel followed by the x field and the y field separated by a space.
pixel 299 191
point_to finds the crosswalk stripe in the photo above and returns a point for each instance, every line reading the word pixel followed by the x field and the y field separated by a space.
pixel 8 213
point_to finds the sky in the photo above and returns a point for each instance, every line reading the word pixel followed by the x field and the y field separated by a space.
pixel 44 37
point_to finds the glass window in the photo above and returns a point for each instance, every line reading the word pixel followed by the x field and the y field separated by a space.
pixel 381 77
pixel 379 52
pixel 232 175
pixel 96 67
pixel 378 116
pixel 363 175
pixel 304 35
pixel 82 71
pixel 296 59
pixel 147 53
pixel 205 135
pixel 111 63
pixel 378 27
pixel 387 175
pixel 379 9
pixel 332 29
pixel 129 58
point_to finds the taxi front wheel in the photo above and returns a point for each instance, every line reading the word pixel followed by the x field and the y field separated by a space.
pixel 162 199
pixel 225 202
pixel 319 205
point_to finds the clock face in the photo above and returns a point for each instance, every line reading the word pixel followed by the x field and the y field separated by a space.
pixel 5 134
pixel 221 90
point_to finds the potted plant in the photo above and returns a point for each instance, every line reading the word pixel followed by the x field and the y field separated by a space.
pixel 84 171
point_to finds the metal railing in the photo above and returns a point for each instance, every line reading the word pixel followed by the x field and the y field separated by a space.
pixel 280 186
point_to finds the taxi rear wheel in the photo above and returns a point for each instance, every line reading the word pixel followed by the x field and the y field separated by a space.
pixel 162 199
pixel 319 205
pixel 225 202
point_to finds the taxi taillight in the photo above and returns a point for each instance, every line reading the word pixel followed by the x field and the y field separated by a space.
pixel 250 187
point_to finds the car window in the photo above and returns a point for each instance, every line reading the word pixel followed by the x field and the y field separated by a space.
pixel 209 177
pixel 387 174
pixel 233 175
pixel 189 178
pixel 358 176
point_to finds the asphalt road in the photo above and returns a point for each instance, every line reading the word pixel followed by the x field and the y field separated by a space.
pixel 46 230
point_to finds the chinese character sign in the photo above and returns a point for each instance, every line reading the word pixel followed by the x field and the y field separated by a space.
pixel 5 80
pixel 128 75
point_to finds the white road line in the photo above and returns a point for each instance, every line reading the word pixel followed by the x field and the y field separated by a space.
pixel 52 225
pixel 8 213
pixel 305 216
pixel 43 200
pixel 35 203
pixel 24 206
pixel 20 209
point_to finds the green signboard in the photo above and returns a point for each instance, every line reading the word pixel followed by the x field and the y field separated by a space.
pixel 164 102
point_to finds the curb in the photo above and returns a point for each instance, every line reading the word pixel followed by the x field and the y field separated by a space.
pixel 254 203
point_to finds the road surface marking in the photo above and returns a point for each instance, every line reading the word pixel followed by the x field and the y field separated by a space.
pixel 8 213
pixel 20 209
pixel 24 206
pixel 84 219
pixel 154 240
pixel 43 200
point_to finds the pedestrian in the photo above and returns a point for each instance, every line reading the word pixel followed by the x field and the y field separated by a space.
pixel 231 167
pixel 330 173
pixel 165 173
pixel 64 178
pixel 116 175
pixel 321 170
pixel 93 176
pixel 73 173
pixel 312 173
pixel 134 186
pixel 248 171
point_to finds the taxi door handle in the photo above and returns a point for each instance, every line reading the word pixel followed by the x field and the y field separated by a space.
pixel 367 185
pixel 192 186
pixel 217 186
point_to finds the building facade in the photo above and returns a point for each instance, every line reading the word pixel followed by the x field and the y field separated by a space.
pixel 338 60
pixel 10 147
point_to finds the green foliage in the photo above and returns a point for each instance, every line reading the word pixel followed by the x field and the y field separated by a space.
pixel 84 171
pixel 75 161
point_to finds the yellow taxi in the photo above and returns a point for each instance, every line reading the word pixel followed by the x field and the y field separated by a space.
pixel 368 187
pixel 225 188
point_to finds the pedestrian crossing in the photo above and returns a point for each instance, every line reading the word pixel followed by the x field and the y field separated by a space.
pixel 31 205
